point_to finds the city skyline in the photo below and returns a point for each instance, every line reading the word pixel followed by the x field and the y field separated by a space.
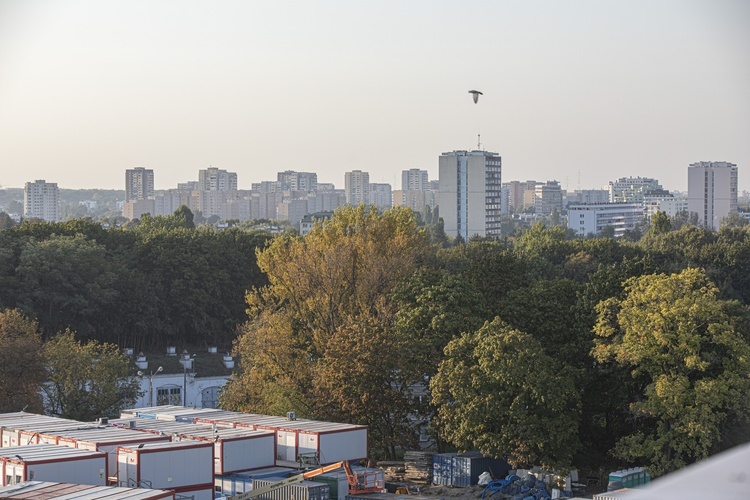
pixel 581 92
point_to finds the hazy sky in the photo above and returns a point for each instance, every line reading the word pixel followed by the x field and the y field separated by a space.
pixel 579 91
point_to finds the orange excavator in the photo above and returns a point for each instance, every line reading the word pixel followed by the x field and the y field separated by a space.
pixel 358 482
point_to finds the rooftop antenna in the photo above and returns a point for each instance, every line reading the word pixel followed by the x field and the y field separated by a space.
pixel 579 179
pixel 479 142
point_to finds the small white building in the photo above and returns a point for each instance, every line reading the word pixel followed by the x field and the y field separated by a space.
pixel 592 219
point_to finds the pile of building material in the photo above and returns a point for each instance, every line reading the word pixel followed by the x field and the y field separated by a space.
pixel 418 466
pixel 394 471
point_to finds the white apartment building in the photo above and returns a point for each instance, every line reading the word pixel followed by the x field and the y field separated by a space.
pixel 712 191
pixel 357 187
pixel 631 189
pixel 139 184
pixel 414 179
pixel 591 219
pixel 215 179
pixel 470 193
pixel 670 206
pixel 41 200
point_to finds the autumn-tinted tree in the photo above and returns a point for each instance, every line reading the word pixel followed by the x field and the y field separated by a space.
pixel 685 348
pixel 21 363
pixel 498 392
pixel 326 290
pixel 87 381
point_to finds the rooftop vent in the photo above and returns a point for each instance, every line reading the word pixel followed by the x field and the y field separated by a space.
pixel 228 361
pixel 140 361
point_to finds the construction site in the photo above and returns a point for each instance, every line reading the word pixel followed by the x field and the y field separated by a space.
pixel 192 453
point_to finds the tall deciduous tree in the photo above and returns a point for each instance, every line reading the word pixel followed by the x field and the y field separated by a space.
pixel 328 301
pixel 87 381
pixel 685 347
pixel 21 363
pixel 500 393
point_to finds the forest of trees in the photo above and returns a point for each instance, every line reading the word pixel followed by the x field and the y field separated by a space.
pixel 540 348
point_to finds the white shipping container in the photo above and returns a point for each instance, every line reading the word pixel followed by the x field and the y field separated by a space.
pixel 334 444
pixel 48 462
pixel 107 439
pixel 237 450
pixel 179 465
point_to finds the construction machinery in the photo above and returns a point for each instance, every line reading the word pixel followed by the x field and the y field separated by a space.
pixel 358 482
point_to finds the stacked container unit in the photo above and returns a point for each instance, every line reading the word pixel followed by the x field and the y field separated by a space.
pixel 234 484
pixel 48 462
pixel 306 490
pixel 12 425
pixel 159 427
pixel 185 467
pixel 332 442
pixel 167 412
pixel 452 469
pixel 107 439
pixel 237 450
pixel 33 490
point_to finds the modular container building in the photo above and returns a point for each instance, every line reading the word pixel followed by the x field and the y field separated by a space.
pixel 107 439
pixel 306 490
pixel 331 441
pixel 159 427
pixel 48 462
pixel 167 412
pixel 242 482
pixel 452 469
pixel 237 450
pixel 185 466
pixel 12 426
pixel 34 490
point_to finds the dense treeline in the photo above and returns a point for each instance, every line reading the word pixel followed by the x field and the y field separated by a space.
pixel 541 348
pixel 544 349
pixel 164 282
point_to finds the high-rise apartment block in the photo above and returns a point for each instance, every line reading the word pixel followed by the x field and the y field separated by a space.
pixel 470 193
pixel 41 200
pixel 357 187
pixel 414 180
pixel 215 179
pixel 712 191
pixel 548 197
pixel 381 196
pixel 297 181
pixel 139 184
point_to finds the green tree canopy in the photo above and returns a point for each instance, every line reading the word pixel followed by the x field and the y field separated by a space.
pixel 87 381
pixel 498 392
pixel 685 347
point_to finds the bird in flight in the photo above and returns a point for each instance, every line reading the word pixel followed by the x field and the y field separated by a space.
pixel 475 94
